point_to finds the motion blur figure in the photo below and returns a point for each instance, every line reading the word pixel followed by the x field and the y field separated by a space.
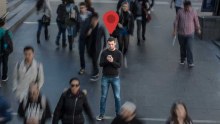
pixel 127 115
pixel 179 114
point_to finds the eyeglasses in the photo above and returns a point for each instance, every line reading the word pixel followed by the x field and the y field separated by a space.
pixel 73 85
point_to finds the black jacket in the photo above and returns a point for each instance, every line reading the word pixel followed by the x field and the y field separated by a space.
pixel 70 104
pixel 145 7
pixel 95 47
pixel 120 120
pixel 28 109
pixel 130 19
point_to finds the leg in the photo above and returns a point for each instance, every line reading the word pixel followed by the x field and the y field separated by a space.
pixel 39 31
pixel 182 48
pixel 46 32
pixel 59 33
pixel 120 43
pixel 82 52
pixel 5 66
pixel 189 41
pixel 177 9
pixel 144 23
pixel 126 43
pixel 115 83
pixel 104 94
pixel 138 30
pixel 95 64
pixel 63 30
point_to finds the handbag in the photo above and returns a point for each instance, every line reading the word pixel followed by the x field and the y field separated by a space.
pixel 148 18
pixel 46 20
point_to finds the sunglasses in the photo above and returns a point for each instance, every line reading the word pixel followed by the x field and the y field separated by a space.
pixel 72 85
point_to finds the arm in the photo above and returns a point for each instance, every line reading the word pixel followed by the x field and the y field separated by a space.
pixel 131 24
pixel 196 22
pixel 117 63
pixel 103 62
pixel 40 75
pixel 58 110
pixel 87 109
pixel 49 7
pixel 171 3
pixel 176 23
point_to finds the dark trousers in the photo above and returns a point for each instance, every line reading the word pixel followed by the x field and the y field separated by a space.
pixel 4 66
pixel 177 9
pixel 94 57
pixel 82 46
pixel 141 24
pixel 123 42
pixel 62 31
pixel 40 25
pixel 185 42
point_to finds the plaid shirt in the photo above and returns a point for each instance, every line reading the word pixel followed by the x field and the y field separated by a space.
pixel 186 22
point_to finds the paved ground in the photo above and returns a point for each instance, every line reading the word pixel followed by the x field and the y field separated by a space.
pixel 153 79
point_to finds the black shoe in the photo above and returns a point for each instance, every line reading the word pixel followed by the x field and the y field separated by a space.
pixel 47 38
pixel 64 45
pixel 38 41
pixel 5 79
pixel 191 65
pixel 70 47
pixel 139 43
pixel 94 78
pixel 57 43
pixel 143 37
pixel 81 71
pixel 100 117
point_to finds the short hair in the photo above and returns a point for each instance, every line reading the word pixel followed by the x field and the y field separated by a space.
pixel 82 4
pixel 111 39
pixel 29 48
pixel 187 3
pixel 95 15
pixel 74 79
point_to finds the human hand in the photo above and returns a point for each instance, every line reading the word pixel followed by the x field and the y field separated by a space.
pixel 120 25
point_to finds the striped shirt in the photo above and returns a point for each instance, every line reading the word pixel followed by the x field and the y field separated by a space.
pixel 186 22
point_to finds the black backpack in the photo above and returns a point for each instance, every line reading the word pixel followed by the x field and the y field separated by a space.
pixel 6 44
pixel 62 14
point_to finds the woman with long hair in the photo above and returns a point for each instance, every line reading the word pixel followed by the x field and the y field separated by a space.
pixel 44 14
pixel 179 114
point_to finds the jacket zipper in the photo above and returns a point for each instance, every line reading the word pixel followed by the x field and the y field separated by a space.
pixel 74 109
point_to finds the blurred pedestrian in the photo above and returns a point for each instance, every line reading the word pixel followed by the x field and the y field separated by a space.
pixel 126 28
pixel 179 114
pixel 72 22
pixel 178 4
pixel 5 111
pixel 89 6
pixel 111 62
pixel 62 14
pixel 34 109
pixel 119 4
pixel 140 10
pixel 84 24
pixel 185 25
pixel 44 16
pixel 27 71
pixel 97 42
pixel 6 49
pixel 127 115
pixel 71 105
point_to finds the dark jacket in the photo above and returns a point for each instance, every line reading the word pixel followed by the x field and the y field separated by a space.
pixel 4 111
pixel 40 109
pixel 120 120
pixel 95 47
pixel 70 108
pixel 143 11
pixel 84 25
pixel 130 25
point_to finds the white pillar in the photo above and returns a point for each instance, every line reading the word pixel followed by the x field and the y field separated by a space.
pixel 3 7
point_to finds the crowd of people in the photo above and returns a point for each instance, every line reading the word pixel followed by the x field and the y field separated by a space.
pixel 83 20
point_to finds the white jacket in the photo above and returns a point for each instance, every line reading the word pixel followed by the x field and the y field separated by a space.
pixel 24 76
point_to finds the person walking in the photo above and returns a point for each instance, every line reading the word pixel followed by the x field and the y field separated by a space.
pixel 96 44
pixel 72 21
pixel 127 115
pixel 34 109
pixel 4 51
pixel 89 6
pixel 84 24
pixel 27 71
pixel 179 114
pixel 71 104
pixel 178 4
pixel 185 25
pixel 61 18
pixel 44 15
pixel 111 62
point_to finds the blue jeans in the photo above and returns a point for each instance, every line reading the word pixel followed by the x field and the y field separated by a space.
pixel 62 30
pixel 185 42
pixel 72 30
pixel 105 83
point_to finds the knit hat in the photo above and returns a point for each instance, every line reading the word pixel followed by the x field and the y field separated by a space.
pixel 129 106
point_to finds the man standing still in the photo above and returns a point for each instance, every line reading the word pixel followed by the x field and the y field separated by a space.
pixel 184 26
pixel 111 62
